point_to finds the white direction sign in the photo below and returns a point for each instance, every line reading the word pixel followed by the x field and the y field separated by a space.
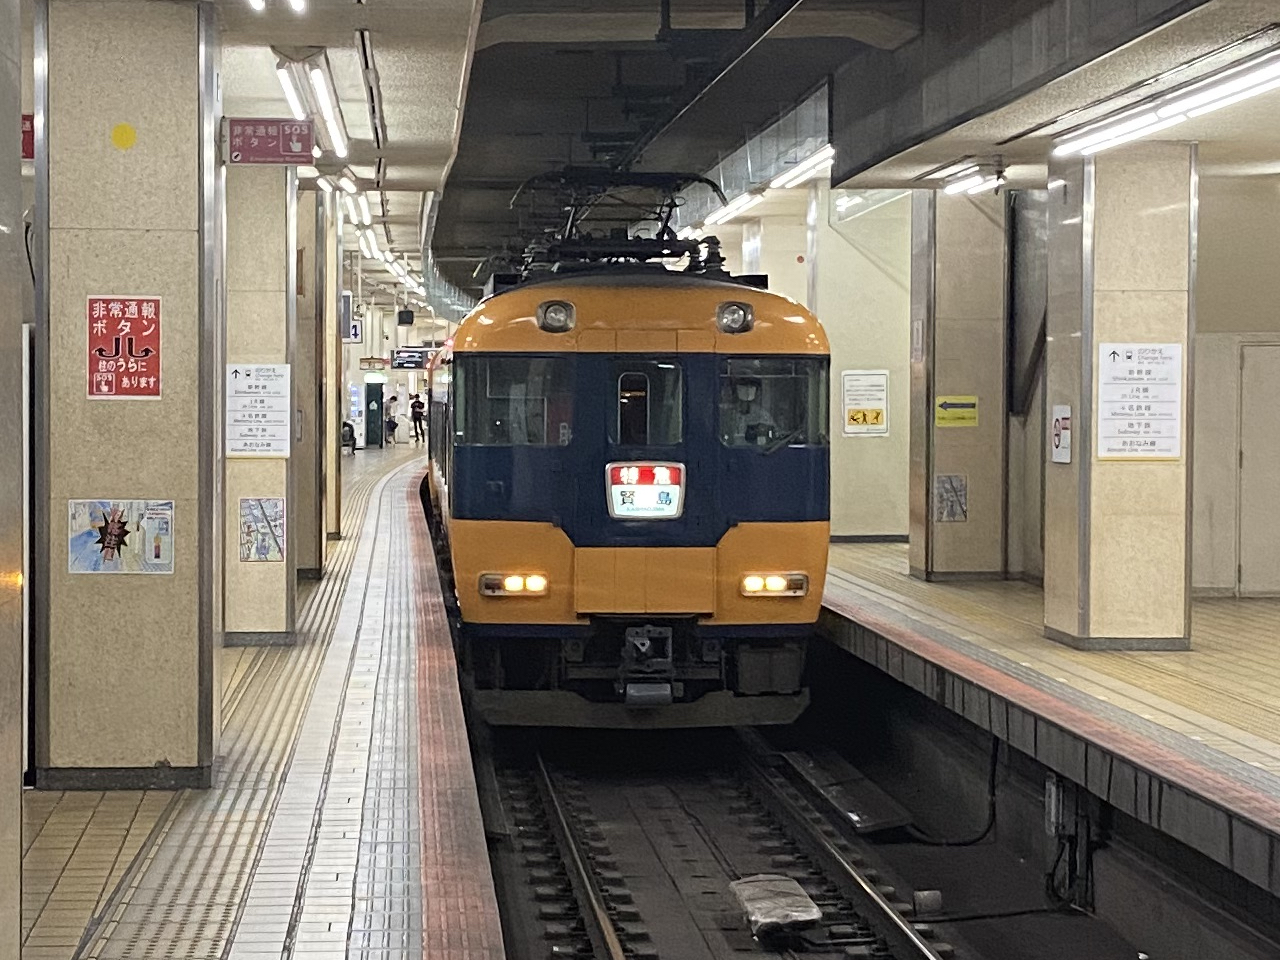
pixel 258 405
pixel 1139 401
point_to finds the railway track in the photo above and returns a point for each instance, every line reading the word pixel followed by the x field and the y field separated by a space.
pixel 635 860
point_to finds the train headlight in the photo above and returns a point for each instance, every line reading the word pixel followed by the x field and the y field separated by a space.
pixel 555 316
pixel 734 317
pixel 775 585
pixel 512 584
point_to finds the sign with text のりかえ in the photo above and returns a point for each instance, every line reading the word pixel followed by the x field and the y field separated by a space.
pixel 124 347
pixel 258 405
pixel 865 394
pixel 1139 401
pixel 262 140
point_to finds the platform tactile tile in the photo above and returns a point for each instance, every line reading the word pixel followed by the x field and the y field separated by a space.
pixel 178 873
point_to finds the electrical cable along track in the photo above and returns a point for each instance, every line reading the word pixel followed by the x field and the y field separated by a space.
pixel 633 856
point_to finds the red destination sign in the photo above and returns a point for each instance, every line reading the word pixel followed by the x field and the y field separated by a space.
pixel 269 141
pixel 124 347
pixel 644 474
pixel 28 136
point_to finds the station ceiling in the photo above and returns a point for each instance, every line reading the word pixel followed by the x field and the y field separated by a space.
pixel 630 83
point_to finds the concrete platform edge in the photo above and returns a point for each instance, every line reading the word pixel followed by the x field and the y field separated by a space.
pixel 1237 826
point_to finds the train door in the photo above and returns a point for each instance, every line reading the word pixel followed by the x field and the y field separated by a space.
pixel 1259 524
pixel 647 439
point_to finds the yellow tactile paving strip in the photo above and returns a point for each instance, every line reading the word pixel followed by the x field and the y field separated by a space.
pixel 1224 692
pixel 78 847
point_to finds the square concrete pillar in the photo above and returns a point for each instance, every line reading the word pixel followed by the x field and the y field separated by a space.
pixel 12 281
pixel 1119 347
pixel 125 611
pixel 958 398
pixel 260 582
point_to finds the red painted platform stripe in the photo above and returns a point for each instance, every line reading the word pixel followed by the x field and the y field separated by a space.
pixel 459 908
pixel 1153 758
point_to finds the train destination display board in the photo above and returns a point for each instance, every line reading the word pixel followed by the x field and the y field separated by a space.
pixel 645 491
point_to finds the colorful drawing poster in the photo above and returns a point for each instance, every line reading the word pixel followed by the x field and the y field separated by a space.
pixel 262 529
pixel 120 536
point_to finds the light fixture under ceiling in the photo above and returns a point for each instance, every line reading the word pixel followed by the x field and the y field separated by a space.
pixel 734 208
pixel 805 170
pixel 327 98
pixel 1250 77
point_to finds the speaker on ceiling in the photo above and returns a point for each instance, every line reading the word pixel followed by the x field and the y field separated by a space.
pixel 405 318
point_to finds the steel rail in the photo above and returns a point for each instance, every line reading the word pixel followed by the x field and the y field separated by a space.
pixel 878 913
pixel 595 912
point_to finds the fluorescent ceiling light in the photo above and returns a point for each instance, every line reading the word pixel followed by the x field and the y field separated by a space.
pixel 352 216
pixel 364 248
pixel 324 184
pixel 347 184
pixel 805 169
pixel 365 217
pixel 1056 183
pixel 737 208
pixel 329 110
pixel 956 169
pixel 290 90
pixel 733 208
pixel 685 233
pixel 1126 137
pixel 988 183
pixel 315 150
pixel 1231 87
pixel 1248 79
pixel 964 184
pixel 297 5
pixel 258 5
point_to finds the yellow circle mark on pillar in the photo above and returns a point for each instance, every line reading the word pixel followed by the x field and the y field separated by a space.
pixel 123 136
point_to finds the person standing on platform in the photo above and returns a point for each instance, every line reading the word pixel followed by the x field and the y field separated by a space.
pixel 416 406
pixel 389 411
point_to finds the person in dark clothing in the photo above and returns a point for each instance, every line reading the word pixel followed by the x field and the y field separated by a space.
pixel 416 407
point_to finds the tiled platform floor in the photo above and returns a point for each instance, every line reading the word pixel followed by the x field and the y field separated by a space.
pixel 162 874
pixel 1224 693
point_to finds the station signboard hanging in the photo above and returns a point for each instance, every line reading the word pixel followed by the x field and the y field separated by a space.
pixel 123 348
pixel 262 140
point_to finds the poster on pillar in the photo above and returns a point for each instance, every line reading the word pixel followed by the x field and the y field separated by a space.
pixel 258 410
pixel 120 536
pixel 123 348
pixel 262 530
pixel 866 402
pixel 1139 401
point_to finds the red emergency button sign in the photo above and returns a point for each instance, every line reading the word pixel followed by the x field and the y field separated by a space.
pixel 645 491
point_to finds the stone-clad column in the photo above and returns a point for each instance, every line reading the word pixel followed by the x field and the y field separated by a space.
pixel 308 393
pixel 957 459
pixel 260 577
pixel 1120 338
pixel 124 610
pixel 12 278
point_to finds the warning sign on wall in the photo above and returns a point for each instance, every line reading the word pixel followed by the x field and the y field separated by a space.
pixel 124 348
pixel 865 394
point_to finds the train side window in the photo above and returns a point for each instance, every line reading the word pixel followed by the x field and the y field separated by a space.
pixel 773 402
pixel 650 404
pixel 513 401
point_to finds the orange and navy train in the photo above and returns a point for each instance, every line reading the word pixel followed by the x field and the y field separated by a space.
pixel 629 480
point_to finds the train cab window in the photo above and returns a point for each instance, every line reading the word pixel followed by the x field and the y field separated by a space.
pixel 773 402
pixel 650 404
pixel 513 401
